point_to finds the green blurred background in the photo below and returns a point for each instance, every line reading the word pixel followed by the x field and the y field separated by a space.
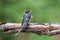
pixel 43 11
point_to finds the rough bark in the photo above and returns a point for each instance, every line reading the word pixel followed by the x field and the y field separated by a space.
pixel 46 28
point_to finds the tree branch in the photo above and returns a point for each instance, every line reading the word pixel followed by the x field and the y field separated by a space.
pixel 46 28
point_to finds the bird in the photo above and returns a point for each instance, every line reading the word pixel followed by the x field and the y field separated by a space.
pixel 26 19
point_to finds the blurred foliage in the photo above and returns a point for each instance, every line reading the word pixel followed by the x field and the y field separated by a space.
pixel 42 11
